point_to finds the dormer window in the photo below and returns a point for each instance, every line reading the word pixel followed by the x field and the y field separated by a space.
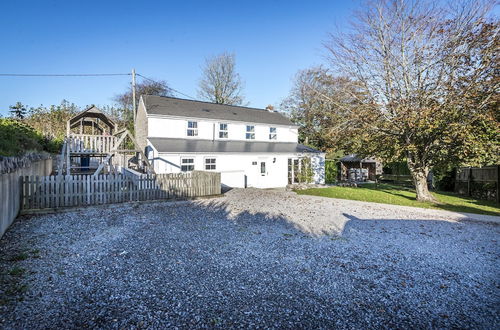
pixel 272 133
pixel 223 133
pixel 250 132
pixel 192 128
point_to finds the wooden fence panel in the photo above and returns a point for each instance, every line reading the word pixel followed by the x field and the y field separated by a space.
pixel 481 183
pixel 41 192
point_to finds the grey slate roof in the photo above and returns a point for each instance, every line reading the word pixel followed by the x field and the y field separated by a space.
pixel 171 106
pixel 168 145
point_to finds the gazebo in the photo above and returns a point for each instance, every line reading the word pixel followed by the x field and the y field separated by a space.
pixel 355 168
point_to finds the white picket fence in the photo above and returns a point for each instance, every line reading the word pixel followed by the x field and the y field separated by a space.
pixel 43 192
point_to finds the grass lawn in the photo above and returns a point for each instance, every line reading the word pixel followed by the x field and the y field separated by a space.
pixel 391 194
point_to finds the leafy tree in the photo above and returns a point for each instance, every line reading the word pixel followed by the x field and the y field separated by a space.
pixel 319 103
pixel 51 121
pixel 18 111
pixel 220 82
pixel 429 76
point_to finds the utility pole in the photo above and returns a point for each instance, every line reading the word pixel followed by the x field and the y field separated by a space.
pixel 133 94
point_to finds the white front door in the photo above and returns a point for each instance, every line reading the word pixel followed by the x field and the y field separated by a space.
pixel 263 172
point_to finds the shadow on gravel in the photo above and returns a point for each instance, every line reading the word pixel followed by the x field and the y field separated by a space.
pixel 314 228
pixel 208 264
pixel 264 221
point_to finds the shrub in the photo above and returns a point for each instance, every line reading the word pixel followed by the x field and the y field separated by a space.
pixel 17 138
pixel 397 168
pixel 444 179
pixel 331 171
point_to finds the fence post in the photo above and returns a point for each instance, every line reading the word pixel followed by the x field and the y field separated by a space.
pixel 469 179
pixel 498 184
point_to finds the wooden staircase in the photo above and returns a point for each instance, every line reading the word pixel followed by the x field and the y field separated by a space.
pixel 95 154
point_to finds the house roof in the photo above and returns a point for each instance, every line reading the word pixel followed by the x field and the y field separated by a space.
pixel 168 145
pixel 171 106
pixel 353 158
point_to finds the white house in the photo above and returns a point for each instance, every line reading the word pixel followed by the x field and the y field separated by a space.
pixel 249 147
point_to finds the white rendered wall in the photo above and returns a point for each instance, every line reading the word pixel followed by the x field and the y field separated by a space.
pixel 318 166
pixel 176 128
pixel 236 168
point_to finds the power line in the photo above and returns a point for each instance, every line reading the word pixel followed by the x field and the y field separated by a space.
pixel 86 75
pixel 175 90
pixel 62 75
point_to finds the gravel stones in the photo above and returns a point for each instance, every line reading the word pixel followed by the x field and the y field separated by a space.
pixel 254 258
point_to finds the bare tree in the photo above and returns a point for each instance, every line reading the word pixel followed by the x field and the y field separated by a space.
pixel 220 82
pixel 430 73
pixel 125 103
pixel 317 103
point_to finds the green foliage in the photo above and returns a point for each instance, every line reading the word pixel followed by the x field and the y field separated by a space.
pixel 16 138
pixel 390 194
pixel 18 111
pixel 20 257
pixel 398 168
pixel 313 106
pixel 444 178
pixel 427 85
pixel 331 171
pixel 17 271
pixel 51 121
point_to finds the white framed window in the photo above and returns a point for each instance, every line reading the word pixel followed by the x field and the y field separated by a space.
pixel 250 132
pixel 187 164
pixel 210 164
pixel 192 128
pixel 223 132
pixel 272 133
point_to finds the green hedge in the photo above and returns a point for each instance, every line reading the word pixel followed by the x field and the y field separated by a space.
pixel 396 168
pixel 331 171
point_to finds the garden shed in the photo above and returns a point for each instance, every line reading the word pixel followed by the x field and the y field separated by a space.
pixel 355 168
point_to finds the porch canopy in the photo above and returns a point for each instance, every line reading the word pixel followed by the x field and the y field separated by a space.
pixel 94 119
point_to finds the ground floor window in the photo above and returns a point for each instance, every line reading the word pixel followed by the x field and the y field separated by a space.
pixel 210 164
pixel 187 164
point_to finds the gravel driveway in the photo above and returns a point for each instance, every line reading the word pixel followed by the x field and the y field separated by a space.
pixel 254 258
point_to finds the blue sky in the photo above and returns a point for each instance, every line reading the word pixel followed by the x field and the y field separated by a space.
pixel 166 40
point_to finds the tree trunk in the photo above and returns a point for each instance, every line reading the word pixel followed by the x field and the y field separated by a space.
pixel 420 181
